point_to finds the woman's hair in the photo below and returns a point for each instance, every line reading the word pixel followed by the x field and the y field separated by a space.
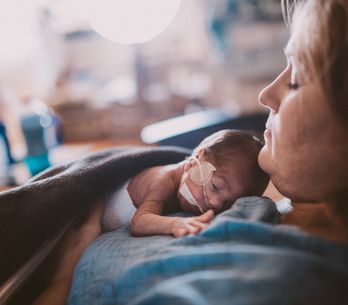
pixel 236 148
pixel 320 47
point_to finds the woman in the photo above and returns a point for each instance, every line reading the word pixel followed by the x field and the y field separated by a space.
pixel 306 138
pixel 305 154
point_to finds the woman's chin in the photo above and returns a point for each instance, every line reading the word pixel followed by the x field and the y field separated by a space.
pixel 263 159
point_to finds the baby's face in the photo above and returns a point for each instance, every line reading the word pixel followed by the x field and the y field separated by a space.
pixel 222 189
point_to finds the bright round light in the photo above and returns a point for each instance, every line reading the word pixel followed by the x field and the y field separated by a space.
pixel 131 21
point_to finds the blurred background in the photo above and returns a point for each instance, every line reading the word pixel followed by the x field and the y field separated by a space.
pixel 66 90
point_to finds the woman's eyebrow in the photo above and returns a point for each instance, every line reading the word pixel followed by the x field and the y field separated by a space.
pixel 288 52
pixel 290 55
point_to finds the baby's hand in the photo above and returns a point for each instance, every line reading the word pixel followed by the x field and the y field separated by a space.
pixel 191 225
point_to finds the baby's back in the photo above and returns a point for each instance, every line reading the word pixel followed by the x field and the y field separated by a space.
pixel 155 183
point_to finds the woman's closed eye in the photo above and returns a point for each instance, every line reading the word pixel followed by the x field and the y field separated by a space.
pixel 293 85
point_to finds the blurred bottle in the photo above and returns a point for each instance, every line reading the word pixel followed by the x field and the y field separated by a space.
pixel 6 160
pixel 39 129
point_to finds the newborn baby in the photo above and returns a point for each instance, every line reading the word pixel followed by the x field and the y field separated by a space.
pixel 221 169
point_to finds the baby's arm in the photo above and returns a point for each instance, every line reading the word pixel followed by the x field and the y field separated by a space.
pixel 182 226
pixel 149 221
pixel 160 187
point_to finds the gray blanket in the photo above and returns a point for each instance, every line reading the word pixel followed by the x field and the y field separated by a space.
pixel 36 211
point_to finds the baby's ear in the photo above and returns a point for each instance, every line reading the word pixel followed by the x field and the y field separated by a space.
pixel 201 153
pixel 188 164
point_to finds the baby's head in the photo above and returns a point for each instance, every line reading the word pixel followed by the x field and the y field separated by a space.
pixel 221 169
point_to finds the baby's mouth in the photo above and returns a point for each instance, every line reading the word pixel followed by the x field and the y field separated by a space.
pixel 194 208
pixel 197 206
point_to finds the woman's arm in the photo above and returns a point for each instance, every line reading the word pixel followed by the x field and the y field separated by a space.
pixel 70 252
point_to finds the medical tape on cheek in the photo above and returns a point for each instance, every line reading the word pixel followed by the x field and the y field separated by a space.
pixel 203 175
pixel 186 193
pixel 198 178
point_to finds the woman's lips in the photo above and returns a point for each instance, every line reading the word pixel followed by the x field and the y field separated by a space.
pixel 267 134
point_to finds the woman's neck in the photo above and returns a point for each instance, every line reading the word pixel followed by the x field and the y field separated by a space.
pixel 326 220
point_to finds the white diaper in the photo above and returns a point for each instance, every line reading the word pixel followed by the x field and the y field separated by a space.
pixel 119 209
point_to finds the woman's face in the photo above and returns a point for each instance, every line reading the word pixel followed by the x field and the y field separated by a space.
pixel 306 151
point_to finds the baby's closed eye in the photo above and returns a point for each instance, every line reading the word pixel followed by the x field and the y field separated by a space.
pixel 215 188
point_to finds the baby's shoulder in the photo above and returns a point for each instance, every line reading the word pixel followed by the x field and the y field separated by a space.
pixel 161 176
pixel 155 183
pixel 154 173
pixel 152 179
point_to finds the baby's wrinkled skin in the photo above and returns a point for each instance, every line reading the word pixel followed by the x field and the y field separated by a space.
pixel 154 192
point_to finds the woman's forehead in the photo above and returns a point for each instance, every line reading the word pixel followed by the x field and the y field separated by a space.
pixel 291 51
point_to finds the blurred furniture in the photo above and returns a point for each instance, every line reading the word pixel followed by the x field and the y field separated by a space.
pixel 66 153
pixel 189 130
pixel 83 121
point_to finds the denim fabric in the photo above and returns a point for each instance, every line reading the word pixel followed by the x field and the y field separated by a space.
pixel 242 258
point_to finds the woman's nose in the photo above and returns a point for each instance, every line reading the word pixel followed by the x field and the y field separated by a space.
pixel 269 96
